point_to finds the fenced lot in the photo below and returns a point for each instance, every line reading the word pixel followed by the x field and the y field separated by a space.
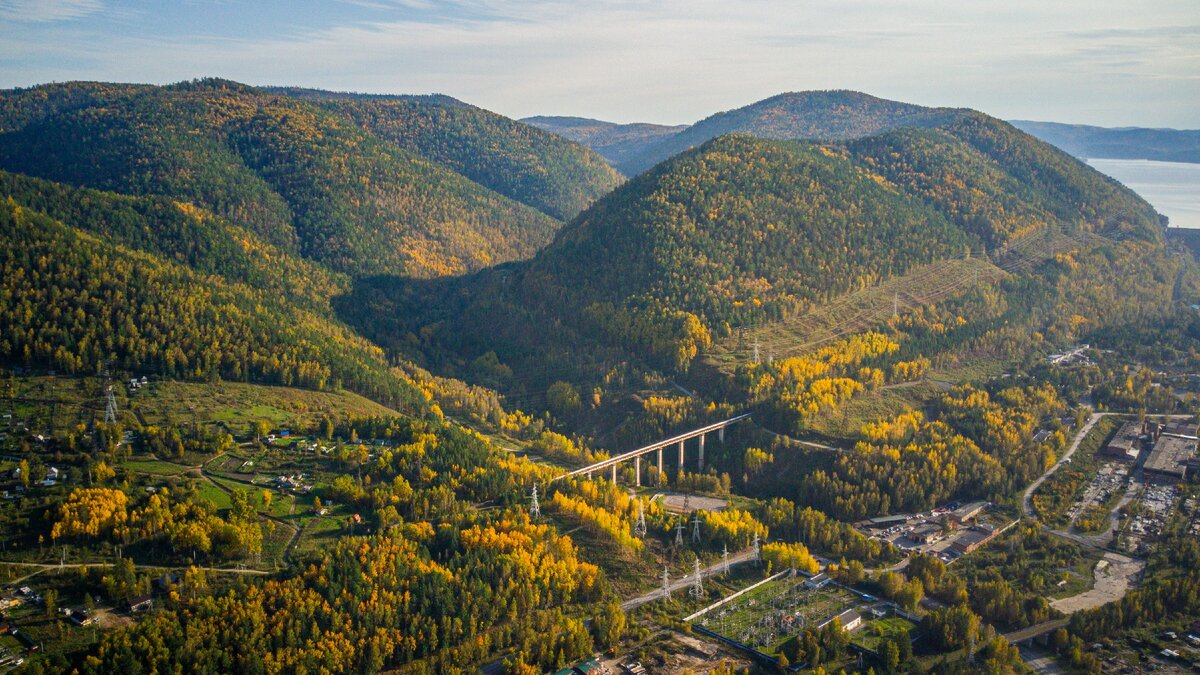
pixel 770 614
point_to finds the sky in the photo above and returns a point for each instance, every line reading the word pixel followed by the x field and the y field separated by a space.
pixel 1104 62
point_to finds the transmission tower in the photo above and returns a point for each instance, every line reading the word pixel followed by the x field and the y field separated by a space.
pixel 696 527
pixel 697 587
pixel 679 532
pixel 666 579
pixel 639 528
pixel 535 509
pixel 725 559
pixel 756 346
pixel 757 545
pixel 110 405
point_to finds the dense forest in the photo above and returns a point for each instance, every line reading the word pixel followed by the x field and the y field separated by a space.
pixel 743 231
pixel 77 303
pixel 299 176
pixel 519 161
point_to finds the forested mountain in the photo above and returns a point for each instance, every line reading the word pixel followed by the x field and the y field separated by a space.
pixel 1081 140
pixel 816 115
pixel 616 142
pixel 181 233
pixel 744 230
pixel 532 166
pixel 78 303
pixel 301 177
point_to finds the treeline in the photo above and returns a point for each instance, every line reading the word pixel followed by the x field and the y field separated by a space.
pixel 181 233
pixel 77 304
pixel 442 602
pixel 189 527
pixel 979 446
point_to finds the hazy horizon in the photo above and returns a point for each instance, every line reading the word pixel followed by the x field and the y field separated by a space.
pixel 1105 64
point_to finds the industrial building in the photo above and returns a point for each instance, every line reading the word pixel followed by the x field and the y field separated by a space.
pixel 1170 460
pixel 972 539
pixel 966 512
pixel 1126 444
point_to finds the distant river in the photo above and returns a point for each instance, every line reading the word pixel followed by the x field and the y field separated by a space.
pixel 1173 188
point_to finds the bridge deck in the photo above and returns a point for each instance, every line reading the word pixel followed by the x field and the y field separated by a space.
pixel 625 456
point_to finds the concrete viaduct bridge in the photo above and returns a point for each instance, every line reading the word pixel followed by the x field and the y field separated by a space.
pixel 636 455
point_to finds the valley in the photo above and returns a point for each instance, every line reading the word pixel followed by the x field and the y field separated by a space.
pixel 295 380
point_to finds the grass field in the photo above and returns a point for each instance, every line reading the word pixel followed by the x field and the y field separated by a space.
pixel 56 403
pixel 215 494
pixel 236 405
pixel 850 417
pixel 154 467
pixel 854 312
pixel 875 631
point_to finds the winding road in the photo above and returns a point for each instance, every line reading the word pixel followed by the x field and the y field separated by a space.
pixel 1083 432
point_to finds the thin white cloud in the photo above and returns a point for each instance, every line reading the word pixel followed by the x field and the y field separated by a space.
pixel 1101 61
pixel 38 11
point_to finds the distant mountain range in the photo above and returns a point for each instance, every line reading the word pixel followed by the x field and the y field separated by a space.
pixel 618 143
pixel 841 115
pixel 812 115
pixel 1165 145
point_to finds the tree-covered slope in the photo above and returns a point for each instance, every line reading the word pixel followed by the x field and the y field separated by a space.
pixel 532 166
pixel 999 184
pixel 299 176
pixel 743 230
pixel 77 303
pixel 182 233
pixel 817 115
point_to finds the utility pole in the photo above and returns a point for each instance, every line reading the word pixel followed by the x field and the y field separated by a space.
pixel 757 548
pixel 666 581
pixel 725 559
pixel 896 305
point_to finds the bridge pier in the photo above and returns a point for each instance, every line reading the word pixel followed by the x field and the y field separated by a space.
pixel 660 471
pixel 680 458
pixel 701 453
pixel 721 434
pixel 637 471
pixel 614 474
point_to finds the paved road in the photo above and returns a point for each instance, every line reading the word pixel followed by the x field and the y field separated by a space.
pixel 1040 661
pixel 1083 432
pixel 1036 630
pixel 683 582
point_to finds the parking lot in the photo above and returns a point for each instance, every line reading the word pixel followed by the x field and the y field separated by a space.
pixel 1110 480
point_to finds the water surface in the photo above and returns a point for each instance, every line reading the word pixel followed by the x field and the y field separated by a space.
pixel 1173 188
